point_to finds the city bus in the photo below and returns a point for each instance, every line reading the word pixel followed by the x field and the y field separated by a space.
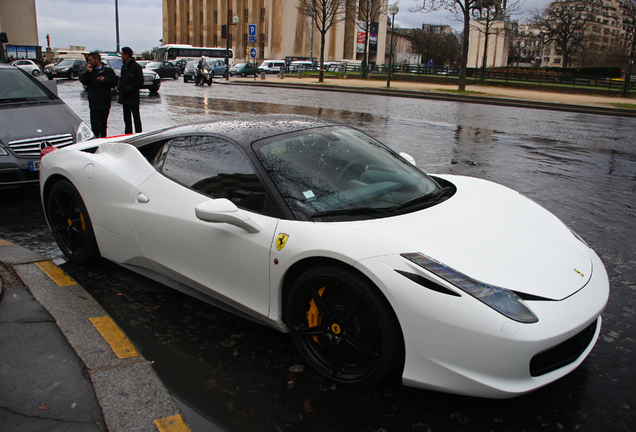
pixel 176 52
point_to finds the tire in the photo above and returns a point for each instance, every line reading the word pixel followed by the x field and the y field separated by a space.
pixel 36 72
pixel 71 224
pixel 343 326
pixel 176 75
pixel 243 74
pixel 185 80
pixel 210 82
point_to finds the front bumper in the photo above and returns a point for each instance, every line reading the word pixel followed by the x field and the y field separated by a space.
pixel 460 345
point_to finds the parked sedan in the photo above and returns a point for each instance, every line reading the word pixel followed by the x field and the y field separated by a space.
pixel 316 229
pixel 164 69
pixel 28 65
pixel 243 69
pixel 69 68
pixel 31 116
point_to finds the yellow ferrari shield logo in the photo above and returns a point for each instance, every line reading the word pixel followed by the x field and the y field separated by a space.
pixel 281 240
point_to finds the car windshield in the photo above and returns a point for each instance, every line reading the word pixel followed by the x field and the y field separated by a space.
pixel 240 65
pixel 114 63
pixel 153 65
pixel 338 172
pixel 67 62
pixel 191 65
pixel 15 86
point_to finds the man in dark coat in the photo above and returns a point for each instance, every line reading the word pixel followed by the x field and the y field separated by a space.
pixel 131 80
pixel 98 80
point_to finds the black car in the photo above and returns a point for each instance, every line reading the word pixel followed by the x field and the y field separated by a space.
pixel 69 68
pixel 152 82
pixel 190 71
pixel 164 69
pixel 31 116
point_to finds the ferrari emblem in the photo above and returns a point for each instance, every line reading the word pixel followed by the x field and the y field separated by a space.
pixel 281 240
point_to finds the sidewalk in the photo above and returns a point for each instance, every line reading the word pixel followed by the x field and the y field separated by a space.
pixel 64 364
pixel 492 95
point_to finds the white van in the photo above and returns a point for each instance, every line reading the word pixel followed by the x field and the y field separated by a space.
pixel 301 65
pixel 272 66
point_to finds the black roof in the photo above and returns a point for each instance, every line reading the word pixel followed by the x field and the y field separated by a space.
pixel 243 130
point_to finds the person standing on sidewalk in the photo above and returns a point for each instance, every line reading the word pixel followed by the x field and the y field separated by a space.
pixel 98 79
pixel 131 80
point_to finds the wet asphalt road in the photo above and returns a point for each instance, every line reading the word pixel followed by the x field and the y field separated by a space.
pixel 232 374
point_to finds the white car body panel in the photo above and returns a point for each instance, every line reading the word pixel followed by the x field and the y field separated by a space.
pixel 142 218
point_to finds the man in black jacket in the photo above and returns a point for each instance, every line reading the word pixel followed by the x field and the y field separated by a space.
pixel 98 80
pixel 131 80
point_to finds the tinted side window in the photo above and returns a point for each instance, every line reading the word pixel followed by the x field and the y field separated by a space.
pixel 216 168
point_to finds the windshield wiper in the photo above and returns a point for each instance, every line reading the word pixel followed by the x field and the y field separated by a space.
pixel 429 199
pixel 355 210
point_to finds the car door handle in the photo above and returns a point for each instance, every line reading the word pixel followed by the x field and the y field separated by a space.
pixel 141 198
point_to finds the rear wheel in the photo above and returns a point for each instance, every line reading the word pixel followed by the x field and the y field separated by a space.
pixel 70 223
pixel 176 75
pixel 343 326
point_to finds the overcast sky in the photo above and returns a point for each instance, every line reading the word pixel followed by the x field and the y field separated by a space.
pixel 92 24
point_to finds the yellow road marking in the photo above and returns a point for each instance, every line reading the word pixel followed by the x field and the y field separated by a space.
pixel 120 344
pixel 5 243
pixel 172 424
pixel 55 273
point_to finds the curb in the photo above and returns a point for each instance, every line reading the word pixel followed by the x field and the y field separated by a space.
pixel 131 395
pixel 487 100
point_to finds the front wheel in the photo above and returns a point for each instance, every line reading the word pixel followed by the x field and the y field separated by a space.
pixel 343 326
pixel 176 75
pixel 36 72
pixel 70 223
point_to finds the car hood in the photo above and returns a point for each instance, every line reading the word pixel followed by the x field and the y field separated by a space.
pixel 34 119
pixel 496 236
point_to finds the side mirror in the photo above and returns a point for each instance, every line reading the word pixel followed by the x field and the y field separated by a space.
pixel 408 158
pixel 222 210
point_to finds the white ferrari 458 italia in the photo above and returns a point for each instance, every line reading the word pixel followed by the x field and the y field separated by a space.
pixel 316 229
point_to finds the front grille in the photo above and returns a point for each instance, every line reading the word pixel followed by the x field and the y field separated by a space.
pixel 562 354
pixel 31 147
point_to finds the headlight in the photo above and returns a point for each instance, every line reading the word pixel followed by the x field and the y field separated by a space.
pixel 502 300
pixel 84 133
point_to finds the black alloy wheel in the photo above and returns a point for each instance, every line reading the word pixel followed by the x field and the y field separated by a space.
pixel 70 223
pixel 343 326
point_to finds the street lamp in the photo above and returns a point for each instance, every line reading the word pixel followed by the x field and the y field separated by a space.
pixel 235 21
pixel 393 10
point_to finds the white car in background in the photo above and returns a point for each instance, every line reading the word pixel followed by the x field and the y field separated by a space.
pixel 28 66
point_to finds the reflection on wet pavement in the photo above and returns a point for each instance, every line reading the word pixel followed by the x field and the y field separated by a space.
pixel 249 377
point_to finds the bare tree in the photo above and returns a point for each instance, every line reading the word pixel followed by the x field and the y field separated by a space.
pixel 564 24
pixel 442 48
pixel 462 10
pixel 629 24
pixel 365 16
pixel 324 14
pixel 488 13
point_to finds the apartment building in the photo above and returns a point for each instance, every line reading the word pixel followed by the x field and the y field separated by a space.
pixel 282 31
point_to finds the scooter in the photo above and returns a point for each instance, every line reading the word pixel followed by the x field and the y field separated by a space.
pixel 204 75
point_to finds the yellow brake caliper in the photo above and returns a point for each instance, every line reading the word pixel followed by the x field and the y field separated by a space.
pixel 313 315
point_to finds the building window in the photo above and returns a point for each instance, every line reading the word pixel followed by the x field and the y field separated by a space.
pixel 262 14
pixel 246 15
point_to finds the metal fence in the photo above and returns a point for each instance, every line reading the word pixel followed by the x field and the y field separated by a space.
pixel 531 76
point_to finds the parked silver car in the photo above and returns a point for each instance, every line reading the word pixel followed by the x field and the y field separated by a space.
pixel 31 117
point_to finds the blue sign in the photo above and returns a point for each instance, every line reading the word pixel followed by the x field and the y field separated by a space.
pixel 253 52
pixel 251 33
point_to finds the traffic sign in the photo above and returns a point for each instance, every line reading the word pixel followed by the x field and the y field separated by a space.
pixel 251 33
pixel 253 52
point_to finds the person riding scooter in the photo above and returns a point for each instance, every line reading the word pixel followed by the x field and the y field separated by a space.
pixel 204 73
